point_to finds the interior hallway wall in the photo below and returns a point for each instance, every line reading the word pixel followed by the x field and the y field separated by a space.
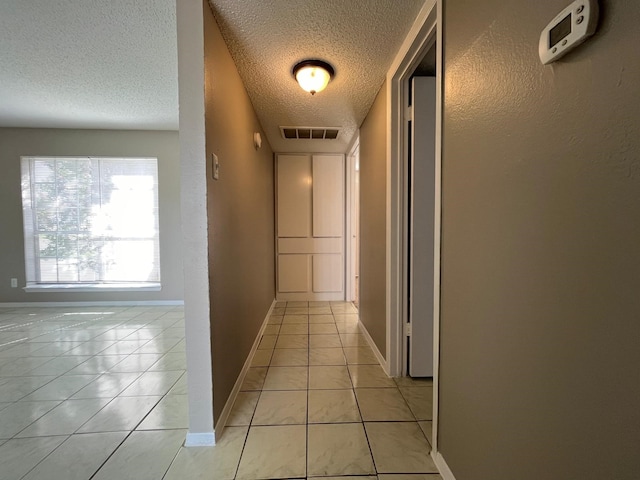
pixel 541 246
pixel 17 142
pixel 373 218
pixel 241 216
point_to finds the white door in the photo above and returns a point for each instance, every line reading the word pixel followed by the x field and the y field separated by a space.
pixel 310 227
pixel 421 228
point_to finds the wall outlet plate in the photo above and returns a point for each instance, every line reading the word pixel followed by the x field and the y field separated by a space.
pixel 14 283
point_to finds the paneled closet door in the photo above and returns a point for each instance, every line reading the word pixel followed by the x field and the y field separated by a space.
pixel 310 227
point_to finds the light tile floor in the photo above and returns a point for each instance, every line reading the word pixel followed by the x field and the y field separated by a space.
pixel 100 393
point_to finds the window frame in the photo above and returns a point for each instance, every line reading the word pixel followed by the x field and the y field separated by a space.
pixel 32 232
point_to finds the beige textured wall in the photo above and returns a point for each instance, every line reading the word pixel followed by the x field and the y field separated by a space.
pixel 241 217
pixel 373 244
pixel 15 142
pixel 541 247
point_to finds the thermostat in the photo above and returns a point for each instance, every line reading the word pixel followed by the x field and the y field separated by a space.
pixel 568 29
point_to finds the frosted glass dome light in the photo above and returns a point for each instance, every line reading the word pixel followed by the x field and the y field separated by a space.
pixel 313 75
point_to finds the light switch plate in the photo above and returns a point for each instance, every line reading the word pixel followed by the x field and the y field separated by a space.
pixel 215 166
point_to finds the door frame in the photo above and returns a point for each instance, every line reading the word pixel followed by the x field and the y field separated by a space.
pixel 426 30
pixel 350 212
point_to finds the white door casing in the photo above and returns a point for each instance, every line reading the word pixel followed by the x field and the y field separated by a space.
pixel 352 223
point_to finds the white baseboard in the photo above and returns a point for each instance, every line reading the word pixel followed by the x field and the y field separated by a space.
pixel 445 471
pixel 313 297
pixel 207 439
pixel 374 347
pixel 224 415
pixel 128 303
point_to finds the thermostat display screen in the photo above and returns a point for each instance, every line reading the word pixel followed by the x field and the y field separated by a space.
pixel 560 31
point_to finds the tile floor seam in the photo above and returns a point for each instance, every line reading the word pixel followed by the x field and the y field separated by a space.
pixel 362 421
pixel 170 463
pixel 246 437
pixel 15 435
pixel 407 404
pixel 47 456
pixel 110 455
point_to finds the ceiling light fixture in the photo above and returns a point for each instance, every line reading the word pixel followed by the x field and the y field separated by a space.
pixel 313 75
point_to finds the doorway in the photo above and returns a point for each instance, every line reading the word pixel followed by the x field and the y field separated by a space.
pixel 424 39
pixel 353 224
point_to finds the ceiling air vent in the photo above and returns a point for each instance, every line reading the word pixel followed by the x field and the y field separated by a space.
pixel 310 133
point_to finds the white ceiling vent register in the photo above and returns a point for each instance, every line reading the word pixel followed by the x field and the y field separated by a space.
pixel 310 133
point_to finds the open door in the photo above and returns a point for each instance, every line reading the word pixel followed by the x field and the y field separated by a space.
pixel 421 226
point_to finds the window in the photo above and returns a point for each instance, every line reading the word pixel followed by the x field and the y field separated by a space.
pixel 90 221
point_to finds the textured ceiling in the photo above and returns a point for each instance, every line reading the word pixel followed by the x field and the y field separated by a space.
pixel 113 64
pixel 88 64
pixel 358 37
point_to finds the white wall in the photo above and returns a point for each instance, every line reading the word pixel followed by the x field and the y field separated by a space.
pixel 194 226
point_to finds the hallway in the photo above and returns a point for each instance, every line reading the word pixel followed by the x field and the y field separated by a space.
pixel 316 390
pixel 96 393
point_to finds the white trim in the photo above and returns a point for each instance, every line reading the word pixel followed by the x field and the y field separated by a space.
pixel 205 439
pixel 350 181
pixel 437 226
pixel 311 296
pixel 224 415
pixel 92 287
pixel 128 303
pixel 374 347
pixel 402 65
pixel 443 468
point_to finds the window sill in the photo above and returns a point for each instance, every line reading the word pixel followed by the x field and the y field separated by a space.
pixel 90 287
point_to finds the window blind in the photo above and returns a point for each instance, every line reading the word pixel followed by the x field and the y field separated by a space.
pixel 90 220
